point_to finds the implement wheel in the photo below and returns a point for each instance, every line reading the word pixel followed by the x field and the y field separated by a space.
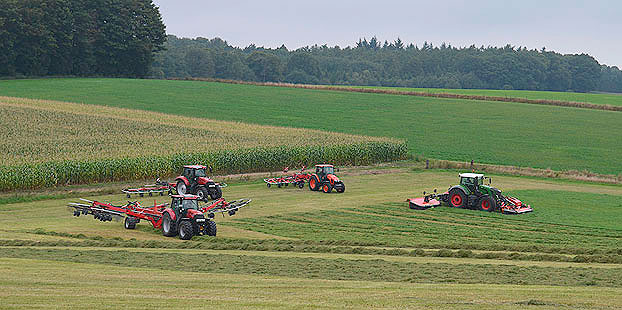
pixel 457 198
pixel 186 231
pixel 129 223
pixel 486 203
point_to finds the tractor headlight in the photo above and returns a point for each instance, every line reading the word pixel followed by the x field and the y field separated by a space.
pixel 200 220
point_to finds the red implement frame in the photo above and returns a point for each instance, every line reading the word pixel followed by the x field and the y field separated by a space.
pixel 104 211
pixel 298 178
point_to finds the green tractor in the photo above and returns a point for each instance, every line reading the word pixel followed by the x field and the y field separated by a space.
pixel 472 193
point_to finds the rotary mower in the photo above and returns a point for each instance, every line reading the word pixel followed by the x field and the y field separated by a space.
pixel 472 193
pixel 184 216
pixel 297 179
pixel 193 180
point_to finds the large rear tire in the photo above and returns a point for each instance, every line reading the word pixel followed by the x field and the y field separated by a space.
pixel 186 231
pixel 211 228
pixel 181 188
pixel 169 227
pixel 314 183
pixel 486 203
pixel 457 198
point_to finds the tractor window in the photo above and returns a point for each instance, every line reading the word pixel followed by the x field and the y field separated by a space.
pixel 329 170
pixel 190 204
pixel 318 170
pixel 200 173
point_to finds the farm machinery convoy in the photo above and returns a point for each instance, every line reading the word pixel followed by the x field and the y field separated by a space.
pixel 472 193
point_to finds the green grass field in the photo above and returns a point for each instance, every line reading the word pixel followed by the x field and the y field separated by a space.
pixel 594 98
pixel 301 249
pixel 488 132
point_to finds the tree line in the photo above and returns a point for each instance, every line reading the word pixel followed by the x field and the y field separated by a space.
pixel 127 38
pixel 79 37
pixel 371 62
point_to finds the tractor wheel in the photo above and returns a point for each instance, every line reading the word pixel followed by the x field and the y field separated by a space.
pixel 327 188
pixel 486 203
pixel 181 188
pixel 314 183
pixel 341 188
pixel 186 231
pixel 169 227
pixel 216 193
pixel 202 193
pixel 457 198
pixel 129 223
pixel 211 228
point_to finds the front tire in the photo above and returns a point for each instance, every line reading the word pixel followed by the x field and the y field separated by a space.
pixel 457 198
pixel 169 227
pixel 216 193
pixel 327 188
pixel 340 188
pixel 186 231
pixel 211 228
pixel 486 203
pixel 202 194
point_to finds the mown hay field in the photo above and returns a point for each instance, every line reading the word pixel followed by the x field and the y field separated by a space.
pixel 293 242
pixel 517 134
pixel 55 143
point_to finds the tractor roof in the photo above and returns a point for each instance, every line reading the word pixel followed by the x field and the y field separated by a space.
pixel 471 175
pixel 324 165
pixel 195 167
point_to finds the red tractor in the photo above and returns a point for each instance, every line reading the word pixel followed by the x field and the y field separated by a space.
pixel 194 181
pixel 325 179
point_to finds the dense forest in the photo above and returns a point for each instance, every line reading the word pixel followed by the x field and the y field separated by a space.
pixel 127 38
pixel 371 62
pixel 79 37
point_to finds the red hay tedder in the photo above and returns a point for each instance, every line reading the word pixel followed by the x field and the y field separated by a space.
pixel 297 179
pixel 184 216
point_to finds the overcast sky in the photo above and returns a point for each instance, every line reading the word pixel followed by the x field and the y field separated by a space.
pixel 565 26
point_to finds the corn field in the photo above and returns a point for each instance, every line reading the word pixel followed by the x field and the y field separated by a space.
pixel 46 143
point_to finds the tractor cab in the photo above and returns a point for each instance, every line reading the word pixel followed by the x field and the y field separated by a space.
pixel 323 170
pixel 195 173
pixel 185 202
pixel 472 181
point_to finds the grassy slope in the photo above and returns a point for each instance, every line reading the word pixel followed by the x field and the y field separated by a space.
pixel 611 99
pixel 271 279
pixel 488 132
